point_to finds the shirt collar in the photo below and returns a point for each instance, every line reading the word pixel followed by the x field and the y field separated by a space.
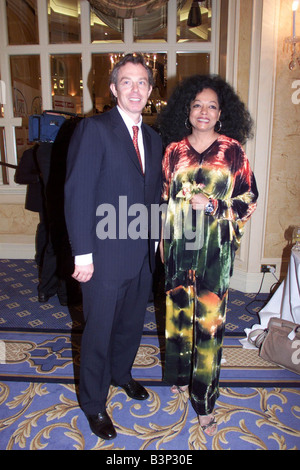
pixel 128 121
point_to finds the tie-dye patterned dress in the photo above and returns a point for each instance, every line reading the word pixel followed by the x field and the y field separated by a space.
pixel 199 252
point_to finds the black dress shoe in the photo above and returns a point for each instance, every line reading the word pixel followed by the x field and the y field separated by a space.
pixel 43 297
pixel 135 390
pixel 102 426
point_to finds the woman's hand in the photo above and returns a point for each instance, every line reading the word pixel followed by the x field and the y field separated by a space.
pixel 199 201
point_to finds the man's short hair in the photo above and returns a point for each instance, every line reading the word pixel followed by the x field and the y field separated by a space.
pixel 134 58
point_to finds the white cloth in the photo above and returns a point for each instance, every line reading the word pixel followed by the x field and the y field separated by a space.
pixel 285 303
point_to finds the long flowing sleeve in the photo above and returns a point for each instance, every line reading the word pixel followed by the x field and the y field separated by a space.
pixel 243 200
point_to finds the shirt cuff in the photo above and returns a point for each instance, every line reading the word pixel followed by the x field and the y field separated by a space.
pixel 83 260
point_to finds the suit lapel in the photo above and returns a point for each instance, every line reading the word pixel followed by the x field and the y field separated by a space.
pixel 147 149
pixel 121 132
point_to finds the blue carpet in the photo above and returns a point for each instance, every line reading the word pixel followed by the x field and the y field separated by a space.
pixel 40 416
pixel 39 361
pixel 20 309
pixel 55 357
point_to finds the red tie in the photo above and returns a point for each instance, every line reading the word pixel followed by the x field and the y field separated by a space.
pixel 135 143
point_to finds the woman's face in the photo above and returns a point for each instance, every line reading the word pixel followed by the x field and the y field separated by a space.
pixel 205 111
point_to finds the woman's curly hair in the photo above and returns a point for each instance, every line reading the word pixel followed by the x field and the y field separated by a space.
pixel 235 118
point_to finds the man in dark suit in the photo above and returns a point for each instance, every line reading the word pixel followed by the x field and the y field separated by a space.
pixel 108 183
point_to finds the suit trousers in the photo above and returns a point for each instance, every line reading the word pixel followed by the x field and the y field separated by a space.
pixel 114 312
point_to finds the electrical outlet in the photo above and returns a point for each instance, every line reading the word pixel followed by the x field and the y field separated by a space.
pixel 268 268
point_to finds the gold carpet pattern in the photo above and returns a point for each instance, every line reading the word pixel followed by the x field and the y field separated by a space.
pixel 47 416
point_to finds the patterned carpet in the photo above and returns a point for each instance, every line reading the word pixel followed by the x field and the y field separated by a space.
pixel 20 309
pixel 259 406
pixel 46 416
pixel 43 356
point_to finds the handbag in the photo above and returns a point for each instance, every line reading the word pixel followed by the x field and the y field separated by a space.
pixel 279 343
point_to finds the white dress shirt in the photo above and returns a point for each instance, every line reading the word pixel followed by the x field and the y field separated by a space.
pixel 129 124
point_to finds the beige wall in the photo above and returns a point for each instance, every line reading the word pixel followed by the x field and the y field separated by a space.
pixel 14 220
pixel 283 209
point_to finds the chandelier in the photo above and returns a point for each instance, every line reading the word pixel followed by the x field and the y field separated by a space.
pixel 126 8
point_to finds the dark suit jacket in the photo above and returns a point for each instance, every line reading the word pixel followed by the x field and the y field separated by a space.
pixel 27 172
pixel 103 166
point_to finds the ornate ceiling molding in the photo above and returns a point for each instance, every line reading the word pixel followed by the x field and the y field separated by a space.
pixel 126 8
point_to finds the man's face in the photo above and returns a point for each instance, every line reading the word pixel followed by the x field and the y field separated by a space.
pixel 132 90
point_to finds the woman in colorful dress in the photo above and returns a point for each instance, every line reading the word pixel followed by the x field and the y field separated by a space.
pixel 211 193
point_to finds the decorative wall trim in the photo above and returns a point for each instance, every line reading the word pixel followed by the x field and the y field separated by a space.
pixel 17 246
pixel 252 282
